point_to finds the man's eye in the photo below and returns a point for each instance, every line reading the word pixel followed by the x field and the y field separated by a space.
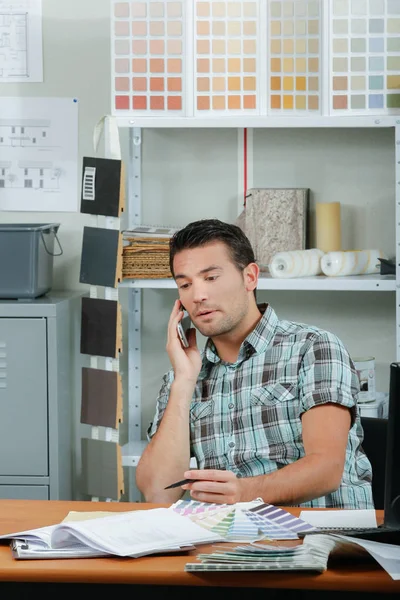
pixel 183 286
pixel 211 278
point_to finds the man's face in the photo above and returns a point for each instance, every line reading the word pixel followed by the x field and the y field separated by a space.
pixel 211 288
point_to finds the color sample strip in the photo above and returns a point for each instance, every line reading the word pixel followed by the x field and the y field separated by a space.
pixel 194 507
pixel 295 56
pixel 282 517
pixel 148 57
pixel 225 56
pixel 365 56
pixel 270 529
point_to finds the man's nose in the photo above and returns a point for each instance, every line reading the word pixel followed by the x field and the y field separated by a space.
pixel 199 292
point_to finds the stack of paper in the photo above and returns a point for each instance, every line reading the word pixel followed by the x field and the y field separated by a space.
pixel 312 555
pixel 135 533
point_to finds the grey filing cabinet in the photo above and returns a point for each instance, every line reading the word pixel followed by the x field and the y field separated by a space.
pixel 37 388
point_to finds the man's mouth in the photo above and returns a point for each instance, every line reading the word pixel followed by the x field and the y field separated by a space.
pixel 204 313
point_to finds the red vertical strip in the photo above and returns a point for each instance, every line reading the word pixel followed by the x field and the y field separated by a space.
pixel 245 165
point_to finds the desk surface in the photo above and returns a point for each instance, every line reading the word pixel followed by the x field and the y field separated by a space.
pixel 20 515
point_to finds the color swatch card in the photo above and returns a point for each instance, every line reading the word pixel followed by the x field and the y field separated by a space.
pixel 148 57
pixel 294 51
pixel 226 49
pixel 244 521
pixel 365 56
pixel 227 58
pixel 312 555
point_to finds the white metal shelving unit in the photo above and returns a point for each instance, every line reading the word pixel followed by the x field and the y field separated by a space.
pixel 367 283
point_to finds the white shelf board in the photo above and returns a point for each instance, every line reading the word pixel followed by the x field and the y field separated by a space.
pixel 258 121
pixel 131 452
pixel 355 283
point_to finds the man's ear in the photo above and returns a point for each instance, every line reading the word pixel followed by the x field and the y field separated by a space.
pixel 251 273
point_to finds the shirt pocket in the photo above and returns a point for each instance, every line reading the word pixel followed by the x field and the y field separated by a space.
pixel 201 410
pixel 275 417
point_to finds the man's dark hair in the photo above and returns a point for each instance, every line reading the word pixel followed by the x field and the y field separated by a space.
pixel 206 231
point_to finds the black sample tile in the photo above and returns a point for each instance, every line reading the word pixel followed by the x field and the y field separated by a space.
pixel 101 327
pixel 101 259
pixel 103 186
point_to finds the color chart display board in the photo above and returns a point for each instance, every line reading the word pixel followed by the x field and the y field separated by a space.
pixel 213 58
pixel 365 56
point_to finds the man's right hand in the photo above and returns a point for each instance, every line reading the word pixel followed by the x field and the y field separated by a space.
pixel 186 362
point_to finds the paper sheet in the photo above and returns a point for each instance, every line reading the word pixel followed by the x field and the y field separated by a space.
pixel 38 154
pixel 387 555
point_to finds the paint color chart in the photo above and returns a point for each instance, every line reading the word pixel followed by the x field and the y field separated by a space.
pixel 294 56
pixel 231 58
pixel 365 56
pixel 148 57
pixel 226 49
pixel 244 521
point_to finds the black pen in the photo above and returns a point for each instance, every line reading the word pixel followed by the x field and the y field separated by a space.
pixel 178 483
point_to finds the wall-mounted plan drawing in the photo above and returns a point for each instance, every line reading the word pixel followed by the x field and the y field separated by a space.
pixel 38 154
pixel 25 133
pixel 31 175
pixel 21 41
pixel 13 45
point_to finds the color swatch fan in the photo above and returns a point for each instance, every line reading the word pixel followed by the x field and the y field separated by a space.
pixel 244 521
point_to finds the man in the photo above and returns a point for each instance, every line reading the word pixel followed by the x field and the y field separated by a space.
pixel 268 409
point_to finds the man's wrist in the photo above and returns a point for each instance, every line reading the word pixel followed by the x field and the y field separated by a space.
pixel 183 386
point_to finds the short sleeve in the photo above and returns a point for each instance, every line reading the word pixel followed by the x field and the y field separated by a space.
pixel 327 374
pixel 161 404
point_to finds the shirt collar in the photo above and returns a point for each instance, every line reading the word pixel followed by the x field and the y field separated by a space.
pixel 256 342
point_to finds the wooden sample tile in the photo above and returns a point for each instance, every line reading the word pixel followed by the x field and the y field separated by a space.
pixel 101 327
pixel 101 259
pixel 103 187
pixel 102 473
pixel 101 402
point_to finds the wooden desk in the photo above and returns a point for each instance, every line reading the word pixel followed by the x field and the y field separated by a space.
pixel 162 570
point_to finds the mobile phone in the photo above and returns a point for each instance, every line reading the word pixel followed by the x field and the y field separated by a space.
pixel 182 328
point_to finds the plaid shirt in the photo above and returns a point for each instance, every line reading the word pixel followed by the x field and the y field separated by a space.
pixel 246 417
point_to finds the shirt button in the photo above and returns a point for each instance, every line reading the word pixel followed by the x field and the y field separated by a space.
pixel 231 405
pixel 231 444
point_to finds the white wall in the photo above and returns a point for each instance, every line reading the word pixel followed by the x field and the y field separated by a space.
pixel 192 174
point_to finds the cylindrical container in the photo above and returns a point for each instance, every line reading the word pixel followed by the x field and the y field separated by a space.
pixel 296 263
pixel 356 262
pixel 365 366
pixel 328 226
pixel 369 409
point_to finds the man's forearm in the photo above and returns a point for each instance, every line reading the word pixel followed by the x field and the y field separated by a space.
pixel 168 455
pixel 308 478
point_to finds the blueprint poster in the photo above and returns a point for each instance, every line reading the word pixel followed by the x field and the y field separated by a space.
pixel 21 46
